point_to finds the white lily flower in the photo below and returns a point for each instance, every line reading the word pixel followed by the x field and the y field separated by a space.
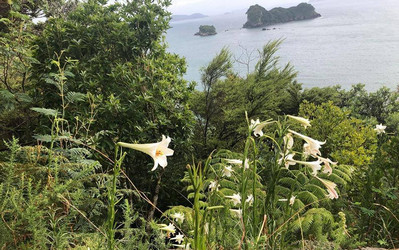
pixel 292 200
pixel 169 229
pixel 234 161
pixel 179 238
pixel 246 163
pixel 288 160
pixel 178 217
pixel 332 193
pixel 288 141
pixel 308 151
pixel 235 198
pixel 379 128
pixel 258 126
pixel 250 199
pixel 185 247
pixel 327 168
pixel 303 121
pixel 258 129
pixel 312 145
pixel 213 185
pixel 314 165
pixel 237 212
pixel 238 162
pixel 158 151
pixel 227 170
pixel 254 124
pixel 206 228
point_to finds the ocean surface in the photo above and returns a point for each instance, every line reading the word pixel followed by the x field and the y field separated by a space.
pixel 355 41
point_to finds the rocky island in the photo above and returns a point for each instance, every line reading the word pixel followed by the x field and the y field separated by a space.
pixel 257 16
pixel 206 30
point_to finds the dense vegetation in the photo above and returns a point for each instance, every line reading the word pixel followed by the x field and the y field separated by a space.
pixel 258 16
pixel 251 162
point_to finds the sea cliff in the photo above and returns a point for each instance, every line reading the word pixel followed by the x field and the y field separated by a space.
pixel 257 16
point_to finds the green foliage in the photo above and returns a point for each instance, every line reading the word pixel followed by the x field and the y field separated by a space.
pixel 314 223
pixel 116 59
pixel 95 73
pixel 289 204
pixel 203 103
pixel 42 197
pixel 63 188
pixel 380 104
pixel 137 69
pixel 219 108
pixel 16 35
pixel 372 191
pixel 352 141
pixel 135 234
pixel 318 95
pixel 376 206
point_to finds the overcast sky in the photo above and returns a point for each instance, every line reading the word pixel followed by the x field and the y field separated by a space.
pixel 214 7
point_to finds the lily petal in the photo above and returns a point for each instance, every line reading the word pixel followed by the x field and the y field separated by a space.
pixel 158 151
pixel 305 122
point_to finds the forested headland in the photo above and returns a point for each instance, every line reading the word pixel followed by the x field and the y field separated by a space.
pixel 257 16
pixel 105 145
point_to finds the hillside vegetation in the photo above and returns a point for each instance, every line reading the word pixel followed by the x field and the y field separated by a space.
pixel 105 145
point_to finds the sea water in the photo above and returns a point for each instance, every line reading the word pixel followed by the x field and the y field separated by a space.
pixel 355 41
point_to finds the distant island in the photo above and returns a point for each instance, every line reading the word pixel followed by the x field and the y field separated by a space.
pixel 206 30
pixel 257 16
pixel 187 17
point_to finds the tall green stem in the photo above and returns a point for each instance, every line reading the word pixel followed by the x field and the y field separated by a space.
pixel 110 224
pixel 254 208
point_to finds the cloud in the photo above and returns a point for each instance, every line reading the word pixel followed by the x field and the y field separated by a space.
pixel 212 7
pixel 180 3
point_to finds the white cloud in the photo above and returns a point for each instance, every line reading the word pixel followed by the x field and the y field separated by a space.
pixel 212 7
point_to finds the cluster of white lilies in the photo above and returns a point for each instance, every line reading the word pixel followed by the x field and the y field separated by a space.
pixel 311 148
pixel 171 229
pixel 159 151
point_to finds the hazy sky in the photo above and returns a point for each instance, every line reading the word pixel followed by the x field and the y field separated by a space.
pixel 214 7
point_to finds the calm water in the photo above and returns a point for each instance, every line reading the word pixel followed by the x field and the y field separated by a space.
pixel 354 41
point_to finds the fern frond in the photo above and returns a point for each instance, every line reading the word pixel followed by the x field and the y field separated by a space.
pixel 290 182
pixel 75 97
pixel 316 190
pixel 307 197
pixel 48 112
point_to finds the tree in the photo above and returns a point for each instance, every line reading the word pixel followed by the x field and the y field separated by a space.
pixel 217 68
pixel 354 140
pixel 353 144
pixel 318 95
pixel 120 60
pixel 16 35
pixel 220 108
pixel 379 104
